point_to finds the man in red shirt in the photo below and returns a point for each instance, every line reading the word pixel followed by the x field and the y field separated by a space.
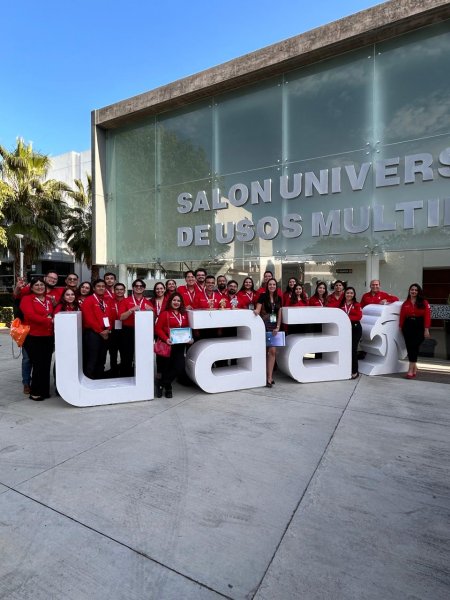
pixel 376 296
pixel 71 282
pixel 209 299
pixel 222 285
pixel 189 290
pixel 200 279
pixel 110 281
pixel 97 323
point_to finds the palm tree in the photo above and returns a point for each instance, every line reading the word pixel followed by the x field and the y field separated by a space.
pixel 32 205
pixel 78 225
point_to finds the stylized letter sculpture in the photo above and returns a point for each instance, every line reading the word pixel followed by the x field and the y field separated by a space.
pixel 249 347
pixel 75 388
pixel 382 340
pixel 335 343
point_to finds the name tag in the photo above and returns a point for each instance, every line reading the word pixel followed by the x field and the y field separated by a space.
pixel 273 318
pixel 117 324
pixel 106 322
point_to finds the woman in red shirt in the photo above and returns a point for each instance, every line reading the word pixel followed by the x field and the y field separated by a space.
pixel 37 309
pixel 159 298
pixel 68 302
pixel 247 295
pixel 85 289
pixel 289 291
pixel 415 321
pixel 298 298
pixel 170 367
pixel 354 313
pixel 319 298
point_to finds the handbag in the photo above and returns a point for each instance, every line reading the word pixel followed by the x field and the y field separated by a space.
pixel 19 331
pixel 162 349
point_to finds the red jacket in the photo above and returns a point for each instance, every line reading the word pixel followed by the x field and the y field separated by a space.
pixel 53 293
pixel 202 301
pixel 369 298
pixel 409 309
pixel 188 295
pixel 37 314
pixel 314 301
pixel 93 314
pixel 246 298
pixel 59 308
pixel 168 320
pixel 128 303
pixel 354 312
pixel 333 302
pixel 297 303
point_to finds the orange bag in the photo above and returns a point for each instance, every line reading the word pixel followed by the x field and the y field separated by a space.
pixel 19 332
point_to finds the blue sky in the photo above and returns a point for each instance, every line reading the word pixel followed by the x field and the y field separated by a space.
pixel 61 60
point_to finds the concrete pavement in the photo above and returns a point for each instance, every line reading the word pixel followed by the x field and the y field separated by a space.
pixel 329 490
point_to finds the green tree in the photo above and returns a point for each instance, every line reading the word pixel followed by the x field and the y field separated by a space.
pixel 78 225
pixel 31 205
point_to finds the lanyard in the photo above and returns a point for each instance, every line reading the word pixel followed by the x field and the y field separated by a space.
pixel 208 299
pixel 179 320
pixel 158 305
pixel 137 303
pixel 348 308
pixel 191 295
pixel 249 296
pixel 100 303
pixel 44 304
pixel 321 301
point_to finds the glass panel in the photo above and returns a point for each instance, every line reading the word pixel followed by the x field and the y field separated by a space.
pixel 413 85
pixel 416 206
pixel 185 144
pixel 248 128
pixel 135 226
pixel 329 106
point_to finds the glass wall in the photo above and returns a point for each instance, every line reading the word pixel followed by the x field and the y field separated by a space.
pixel 324 164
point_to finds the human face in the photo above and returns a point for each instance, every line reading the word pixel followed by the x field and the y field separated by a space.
pixel 69 296
pixel 267 275
pixel 349 296
pixel 221 282
pixel 159 290
pixel 171 286
pixel 190 279
pixel 110 280
pixel 272 286
pixel 338 287
pixel 176 303
pixel 321 290
pixel 51 280
pixel 232 289
pixel 200 277
pixel 248 283
pixel 119 291
pixel 99 288
pixel 291 283
pixel 375 286
pixel 210 283
pixel 298 290
pixel 85 290
pixel 38 288
pixel 72 281
pixel 413 291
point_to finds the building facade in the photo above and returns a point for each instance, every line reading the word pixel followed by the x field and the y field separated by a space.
pixel 324 156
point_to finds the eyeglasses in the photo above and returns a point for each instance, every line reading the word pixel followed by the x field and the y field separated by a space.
pixel 72 279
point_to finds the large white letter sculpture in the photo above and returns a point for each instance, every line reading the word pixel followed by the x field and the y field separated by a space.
pixel 249 347
pixel 382 340
pixel 335 343
pixel 77 389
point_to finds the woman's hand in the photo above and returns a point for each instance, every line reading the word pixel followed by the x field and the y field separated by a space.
pixel 427 334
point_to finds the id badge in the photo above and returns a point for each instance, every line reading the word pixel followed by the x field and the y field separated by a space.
pixel 117 324
pixel 251 306
pixel 272 318
pixel 106 322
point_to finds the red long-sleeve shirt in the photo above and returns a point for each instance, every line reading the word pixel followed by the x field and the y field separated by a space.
pixel 354 311
pixel 409 309
pixel 246 298
pixel 188 295
pixel 315 301
pixel 169 320
pixel 369 298
pixel 128 303
pixel 333 302
pixel 202 301
pixel 38 314
pixel 94 314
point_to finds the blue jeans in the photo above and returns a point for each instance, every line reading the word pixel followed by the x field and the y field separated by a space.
pixel 26 368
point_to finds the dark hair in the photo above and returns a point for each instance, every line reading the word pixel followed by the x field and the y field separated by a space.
pixel 264 299
pixel 338 281
pixel 96 281
pixel 303 295
pixel 158 283
pixel 63 302
pixel 139 281
pixel 265 273
pixel 349 287
pixel 109 273
pixel 198 271
pixel 242 286
pixel 186 273
pixel 174 283
pixel 121 284
pixel 288 289
pixel 182 308
pixel 316 293
pixel 38 279
pixel 210 277
pixel 85 283
pixel 232 281
pixel 72 273
pixel 54 273
pixel 420 295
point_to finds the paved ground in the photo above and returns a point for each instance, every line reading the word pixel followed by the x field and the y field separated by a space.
pixel 318 491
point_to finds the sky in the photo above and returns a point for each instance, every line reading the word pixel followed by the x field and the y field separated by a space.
pixel 61 59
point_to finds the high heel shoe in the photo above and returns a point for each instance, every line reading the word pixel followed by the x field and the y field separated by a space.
pixel 269 384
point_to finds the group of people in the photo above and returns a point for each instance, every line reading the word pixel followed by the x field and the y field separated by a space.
pixel 108 318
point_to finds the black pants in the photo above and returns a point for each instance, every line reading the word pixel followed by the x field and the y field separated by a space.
pixel 114 349
pixel 127 352
pixel 172 366
pixel 356 336
pixel 40 350
pixel 94 354
pixel 414 334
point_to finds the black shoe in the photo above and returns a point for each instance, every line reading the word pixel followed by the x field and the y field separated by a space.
pixel 159 391
pixel 37 398
pixel 168 394
pixel 268 384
